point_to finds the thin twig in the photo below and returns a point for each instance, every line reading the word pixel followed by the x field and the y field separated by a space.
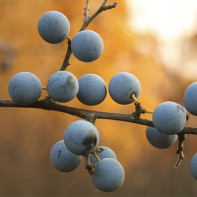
pixel 86 10
pixel 67 57
pixel 102 8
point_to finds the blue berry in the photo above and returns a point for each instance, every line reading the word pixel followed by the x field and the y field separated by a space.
pixel 62 86
pixel 169 118
pixel 193 166
pixel 158 139
pixel 53 27
pixel 104 152
pixel 62 159
pixel 122 86
pixel 81 137
pixel 25 88
pixel 108 175
pixel 190 98
pixel 92 89
pixel 87 45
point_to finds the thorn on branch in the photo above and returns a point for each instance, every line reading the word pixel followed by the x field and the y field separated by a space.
pixel 180 149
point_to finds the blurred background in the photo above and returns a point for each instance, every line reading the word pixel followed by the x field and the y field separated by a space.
pixel 155 40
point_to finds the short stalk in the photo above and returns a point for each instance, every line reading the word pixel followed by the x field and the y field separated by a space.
pixel 97 149
pixel 89 166
pixel 96 156
pixel 134 97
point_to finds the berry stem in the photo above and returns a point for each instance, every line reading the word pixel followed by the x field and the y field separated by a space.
pixel 97 149
pixel 89 166
pixel 88 163
pixel 134 97
pixel 148 112
pixel 96 156
pixel 138 108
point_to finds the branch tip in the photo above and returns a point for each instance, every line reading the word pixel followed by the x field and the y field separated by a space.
pixel 110 6
pixel 103 7
pixel 86 10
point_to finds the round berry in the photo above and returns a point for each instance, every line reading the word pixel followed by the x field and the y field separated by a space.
pixel 62 86
pixel 25 88
pixel 81 137
pixel 108 175
pixel 87 46
pixel 193 166
pixel 103 152
pixel 53 27
pixel 190 98
pixel 62 159
pixel 158 139
pixel 92 89
pixel 122 86
pixel 169 118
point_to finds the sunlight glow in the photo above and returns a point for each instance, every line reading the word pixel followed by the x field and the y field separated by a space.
pixel 174 24
pixel 168 19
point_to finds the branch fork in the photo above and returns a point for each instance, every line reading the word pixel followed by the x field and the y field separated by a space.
pixel 86 22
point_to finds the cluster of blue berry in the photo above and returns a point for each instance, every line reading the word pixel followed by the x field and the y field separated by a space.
pixel 81 138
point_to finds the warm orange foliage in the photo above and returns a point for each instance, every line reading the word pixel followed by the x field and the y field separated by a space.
pixel 27 135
